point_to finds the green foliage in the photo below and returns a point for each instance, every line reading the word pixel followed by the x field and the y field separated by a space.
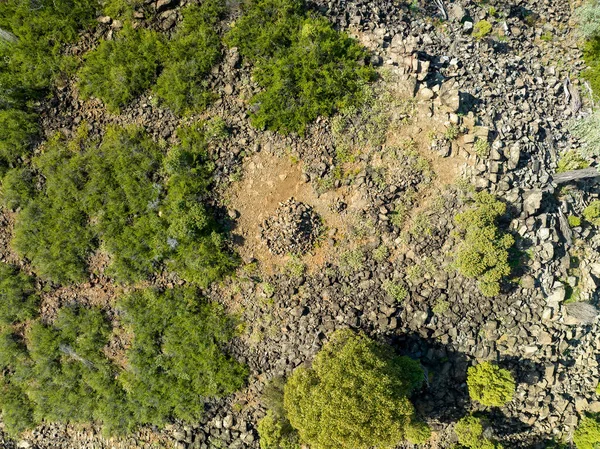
pixel 119 70
pixel 483 253
pixel 34 59
pixel 482 29
pixel 490 385
pixel 588 129
pixel 352 380
pixel 395 290
pixel 193 51
pixel 571 160
pixel 592 212
pixel 18 130
pixel 277 433
pixel 121 8
pixel 587 433
pixel 17 188
pixel 175 361
pixel 305 67
pixel 381 253
pixel 61 373
pixel 469 431
pixel 574 221
pixel 588 18
pixel 482 148
pixel 18 301
pixel 418 432
pixel 122 194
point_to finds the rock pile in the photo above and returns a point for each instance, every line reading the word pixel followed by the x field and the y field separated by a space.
pixel 293 228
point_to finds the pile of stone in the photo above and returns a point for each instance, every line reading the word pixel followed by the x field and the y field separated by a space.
pixel 292 229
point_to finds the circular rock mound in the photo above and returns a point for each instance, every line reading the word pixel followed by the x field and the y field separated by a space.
pixel 293 228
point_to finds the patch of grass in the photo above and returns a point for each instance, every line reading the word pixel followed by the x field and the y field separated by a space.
pixel 351 261
pixel 481 29
pixel 305 68
pixel 452 132
pixel 295 267
pixel 547 36
pixel 381 253
pixel 571 160
pixel 118 70
pixel 592 213
pixel 395 290
pixel 574 221
pixel 441 307
pixel 482 148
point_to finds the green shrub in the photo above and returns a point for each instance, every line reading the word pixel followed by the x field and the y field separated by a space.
pixel 482 148
pixel 305 68
pixel 123 195
pixel 587 433
pixel 396 291
pixel 34 59
pixel 592 212
pixel 588 129
pixel 483 253
pixel 17 412
pixel 469 431
pixel 121 8
pixel 18 300
pixel 574 221
pixel 418 432
pixel 571 160
pixel 276 433
pixel 193 51
pixel 490 385
pixel 119 70
pixel 588 18
pixel 176 361
pixel 18 130
pixel 352 380
pixel 17 188
pixel 482 29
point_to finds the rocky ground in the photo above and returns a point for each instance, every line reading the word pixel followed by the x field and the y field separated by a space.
pixel 509 88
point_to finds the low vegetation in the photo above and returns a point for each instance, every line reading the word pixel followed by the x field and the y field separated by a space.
pixel 592 213
pixel 118 70
pixel 59 371
pixel 483 252
pixel 18 300
pixel 469 431
pixel 123 196
pixel 305 68
pixel 490 385
pixel 189 57
pixel 587 433
pixel 352 379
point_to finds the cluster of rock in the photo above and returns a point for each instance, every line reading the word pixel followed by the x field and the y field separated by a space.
pixel 292 229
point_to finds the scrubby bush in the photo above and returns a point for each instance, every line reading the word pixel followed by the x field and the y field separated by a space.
pixel 587 433
pixel 17 188
pixel 395 290
pixel 305 67
pixel 277 433
pixel 571 160
pixel 193 51
pixel 123 195
pixel 588 131
pixel 120 69
pixel 18 130
pixel 469 431
pixel 483 253
pixel 592 212
pixel 490 385
pixel 352 380
pixel 588 18
pixel 176 360
pixel 482 29
pixel 574 221
pixel 418 432
pixel 32 60
pixel 18 300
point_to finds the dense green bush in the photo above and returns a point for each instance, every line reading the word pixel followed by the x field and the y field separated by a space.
pixel 277 433
pixel 17 188
pixel 60 372
pixel 587 433
pixel 490 385
pixel 176 358
pixel 588 131
pixel 592 212
pixel 352 380
pixel 469 431
pixel 571 160
pixel 118 70
pixel 193 51
pixel 18 130
pixel 41 28
pixel 483 253
pixel 18 300
pixel 305 67
pixel 123 195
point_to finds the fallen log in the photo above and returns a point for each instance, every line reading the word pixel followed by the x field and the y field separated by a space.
pixel 574 175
